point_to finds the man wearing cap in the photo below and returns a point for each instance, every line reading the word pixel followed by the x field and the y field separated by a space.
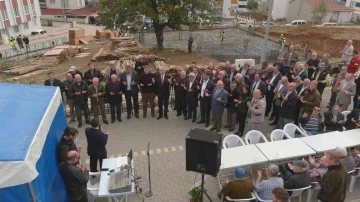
pixel 301 177
pixel 111 69
pixel 264 188
pixel 322 76
pixel 336 81
pixel 240 188
pixel 73 70
pixel 139 65
pixel 346 89
pixel 92 73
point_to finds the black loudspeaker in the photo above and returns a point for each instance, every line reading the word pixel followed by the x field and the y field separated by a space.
pixel 203 151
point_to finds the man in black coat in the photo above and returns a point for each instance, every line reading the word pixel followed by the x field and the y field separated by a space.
pixel 192 87
pixel 113 90
pixel 271 82
pixel 75 177
pixel 78 90
pixel 139 65
pixel 258 84
pixel 97 141
pixel 130 81
pixel 232 107
pixel 206 90
pixel 163 82
pixel 287 107
pixel 353 120
pixel 334 120
pixel 180 94
pixel 91 73
pixel 300 90
pixel 52 81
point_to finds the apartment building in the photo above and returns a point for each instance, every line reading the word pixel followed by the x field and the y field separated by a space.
pixel 354 4
pixel 18 17
pixel 230 8
pixel 59 4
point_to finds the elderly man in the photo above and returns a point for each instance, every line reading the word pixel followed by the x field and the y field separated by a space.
pixel 299 71
pixel 272 83
pixel 291 57
pixel 314 123
pixel 280 194
pixel 334 120
pixel 69 98
pixel 147 83
pixel 232 72
pixel 300 90
pixel 192 87
pixel 336 81
pixel 311 98
pixel 163 82
pixel 353 120
pixel 78 90
pixel 239 82
pixel 256 110
pixel 312 64
pixel 240 188
pixel 129 81
pixel 322 76
pixel 287 106
pixel 280 91
pixel 258 84
pixel 264 68
pixel 218 102
pixel 249 78
pixel 180 94
pixel 114 90
pixel 347 52
pixel 96 92
pixel 347 161
pixel 111 69
pixel 73 70
pixel 232 107
pixel 268 74
pixel 92 73
pixel 206 90
pixel 354 64
pixel 245 68
pixel 221 77
pixel 75 177
pixel 140 64
pixel 328 65
pixel 301 177
pixel 346 89
pixel 264 188
pixel 334 182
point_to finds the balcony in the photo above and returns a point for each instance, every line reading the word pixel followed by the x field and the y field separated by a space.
pixel 42 3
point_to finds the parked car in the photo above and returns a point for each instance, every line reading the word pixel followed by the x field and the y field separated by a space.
pixel 245 24
pixel 265 22
pixel 38 31
pixel 296 23
pixel 327 24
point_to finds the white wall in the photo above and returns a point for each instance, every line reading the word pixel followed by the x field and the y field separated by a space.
pixel 280 9
pixel 58 4
pixel 226 6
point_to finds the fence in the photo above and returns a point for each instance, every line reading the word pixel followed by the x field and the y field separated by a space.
pixel 13 54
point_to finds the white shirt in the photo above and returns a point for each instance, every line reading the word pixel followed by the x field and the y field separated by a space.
pixel 203 87
pixel 272 80
pixel 302 90
pixel 190 84
pixel 256 85
pixel 280 87
pixel 300 72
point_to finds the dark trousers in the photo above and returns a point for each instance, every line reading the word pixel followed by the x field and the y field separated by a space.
pixel 242 118
pixel 83 199
pixel 205 108
pixel 78 109
pixel 297 113
pixel 217 120
pixel 180 103
pixel 269 101
pixel 93 162
pixel 117 108
pixel 231 118
pixel 192 111
pixel 190 47
pixel 332 100
pixel 163 103
pixel 134 95
pixel 321 87
pixel 356 102
pixel 148 97
pixel 95 107
pixel 275 113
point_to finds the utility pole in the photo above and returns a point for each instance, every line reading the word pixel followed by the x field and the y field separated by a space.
pixel 266 37
pixel 64 12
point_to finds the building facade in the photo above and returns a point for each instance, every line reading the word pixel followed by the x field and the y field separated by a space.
pixel 230 8
pixel 280 9
pixel 59 4
pixel 18 17
pixel 354 4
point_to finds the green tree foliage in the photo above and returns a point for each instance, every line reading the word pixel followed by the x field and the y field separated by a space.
pixel 252 5
pixel 163 13
pixel 320 10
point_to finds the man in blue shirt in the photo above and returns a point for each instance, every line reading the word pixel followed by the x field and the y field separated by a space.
pixel 264 188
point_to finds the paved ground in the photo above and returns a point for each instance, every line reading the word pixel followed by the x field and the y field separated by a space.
pixel 170 181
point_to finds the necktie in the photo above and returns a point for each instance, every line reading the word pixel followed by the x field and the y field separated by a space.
pixel 162 79
pixel 217 91
pixel 254 86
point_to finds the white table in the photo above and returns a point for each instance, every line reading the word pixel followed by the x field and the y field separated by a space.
pixel 104 180
pixel 241 156
pixel 285 149
pixel 354 135
pixel 328 141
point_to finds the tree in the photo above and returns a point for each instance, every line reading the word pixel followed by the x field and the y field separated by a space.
pixel 163 13
pixel 320 10
pixel 252 5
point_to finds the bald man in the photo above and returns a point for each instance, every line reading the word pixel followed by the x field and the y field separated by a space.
pixel 221 77
pixel 287 107
pixel 78 90
pixel 347 52
pixel 96 92
pixel 75 177
pixel 218 102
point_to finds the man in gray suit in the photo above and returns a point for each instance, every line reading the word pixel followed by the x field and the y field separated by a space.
pixel 291 57
pixel 280 91
pixel 218 102
pixel 346 90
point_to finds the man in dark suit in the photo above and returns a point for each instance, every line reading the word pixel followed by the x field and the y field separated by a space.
pixel 271 82
pixel 284 70
pixel 75 177
pixel 287 107
pixel 206 89
pixel 192 87
pixel 221 77
pixel 334 120
pixel 92 73
pixel 300 90
pixel 147 81
pixel 232 72
pixel 52 81
pixel 140 64
pixel 218 102
pixel 195 70
pixel 114 95
pixel 163 82
pixel 258 84
pixel 97 141
pixel 180 94
pixel 78 90
pixel 353 120
pixel 129 81
pixel 232 107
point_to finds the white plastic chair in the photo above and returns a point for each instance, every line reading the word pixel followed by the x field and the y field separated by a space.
pixel 345 113
pixel 254 136
pixel 277 135
pixel 291 128
pixel 243 200
pixel 315 186
pixel 298 192
pixel 260 199
pixel 232 141
pixel 93 189
pixel 353 180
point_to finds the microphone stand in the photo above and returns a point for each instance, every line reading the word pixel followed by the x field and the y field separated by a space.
pixel 149 193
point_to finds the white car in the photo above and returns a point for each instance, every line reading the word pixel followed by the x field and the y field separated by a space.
pixel 244 24
pixel 327 24
pixel 38 31
pixel 296 23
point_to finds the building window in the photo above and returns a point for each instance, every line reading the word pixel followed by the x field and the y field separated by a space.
pixel 52 1
pixel 80 2
pixel 33 10
pixel 4 14
pixel 352 3
pixel 335 15
pixel 16 12
pixel 65 3
pixel 26 25
pixel 26 9
pixel 35 21
pixel 16 28
pixel 357 4
pixel 242 6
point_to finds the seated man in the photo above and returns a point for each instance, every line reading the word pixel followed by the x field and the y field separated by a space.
pixel 353 120
pixel 265 187
pixel 279 194
pixel 347 161
pixel 314 123
pixel 334 120
pixel 301 177
pixel 240 188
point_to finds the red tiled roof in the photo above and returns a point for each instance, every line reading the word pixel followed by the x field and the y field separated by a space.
pixel 332 6
pixel 47 11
